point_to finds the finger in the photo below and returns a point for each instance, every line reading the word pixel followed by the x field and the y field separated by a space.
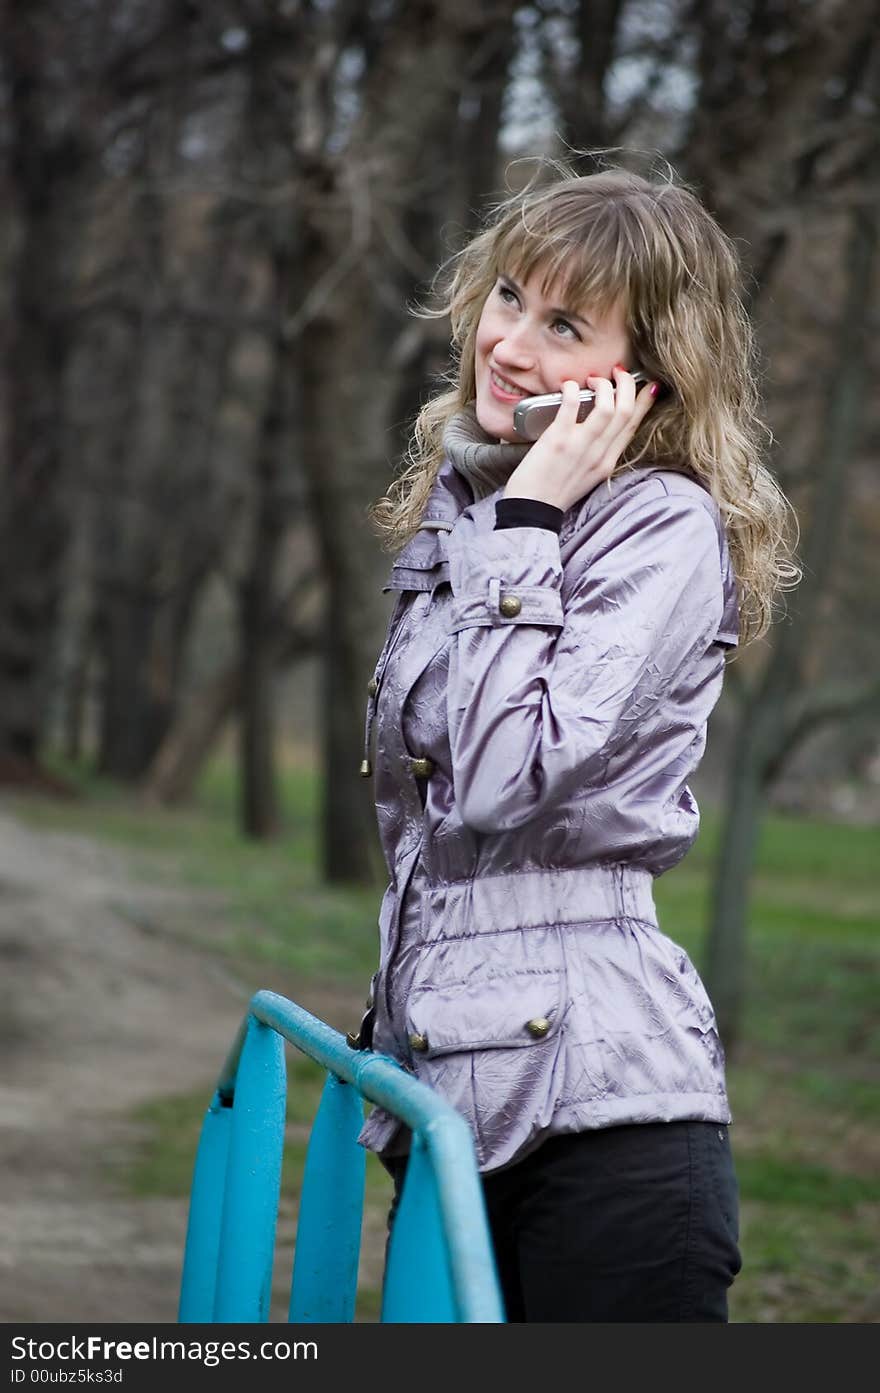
pixel 603 405
pixel 645 400
pixel 623 403
pixel 629 407
pixel 627 418
pixel 625 388
pixel 567 413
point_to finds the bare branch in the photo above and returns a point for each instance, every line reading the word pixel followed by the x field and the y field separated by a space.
pixel 835 701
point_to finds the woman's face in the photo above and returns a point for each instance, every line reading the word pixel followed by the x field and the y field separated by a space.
pixel 528 343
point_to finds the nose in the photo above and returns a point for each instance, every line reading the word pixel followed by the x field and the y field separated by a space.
pixel 516 349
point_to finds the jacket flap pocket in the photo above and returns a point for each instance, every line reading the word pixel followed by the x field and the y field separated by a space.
pixel 506 1011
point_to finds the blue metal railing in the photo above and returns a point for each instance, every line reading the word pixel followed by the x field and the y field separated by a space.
pixel 440 1263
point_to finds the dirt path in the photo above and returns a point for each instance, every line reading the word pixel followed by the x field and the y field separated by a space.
pixel 104 1003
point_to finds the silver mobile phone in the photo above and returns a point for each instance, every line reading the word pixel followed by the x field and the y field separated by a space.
pixel 533 415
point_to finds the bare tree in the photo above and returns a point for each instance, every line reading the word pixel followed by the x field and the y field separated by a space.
pixel 42 159
pixel 183 298
pixel 167 287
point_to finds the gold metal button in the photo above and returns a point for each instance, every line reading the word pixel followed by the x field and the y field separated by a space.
pixel 372 686
pixel 366 768
pixel 538 1027
pixel 422 768
pixel 510 606
pixel 419 1043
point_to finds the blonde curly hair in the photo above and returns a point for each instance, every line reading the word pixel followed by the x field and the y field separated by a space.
pixel 616 236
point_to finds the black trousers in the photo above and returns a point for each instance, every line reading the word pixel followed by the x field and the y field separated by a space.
pixel 637 1223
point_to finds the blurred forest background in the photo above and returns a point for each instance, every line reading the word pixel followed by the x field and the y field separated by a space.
pixel 215 218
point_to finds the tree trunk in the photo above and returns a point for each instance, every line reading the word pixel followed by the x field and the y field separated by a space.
pixel 194 735
pixel 346 833
pixel 331 424
pixel 371 236
pixel 169 280
pixel 260 806
pixel 188 744
pixel 33 534
pixel 126 734
pixel 731 882
pixel 585 121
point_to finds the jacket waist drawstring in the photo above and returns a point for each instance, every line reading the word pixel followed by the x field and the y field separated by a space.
pixel 366 765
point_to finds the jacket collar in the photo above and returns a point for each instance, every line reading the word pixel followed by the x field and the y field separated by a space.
pixel 422 563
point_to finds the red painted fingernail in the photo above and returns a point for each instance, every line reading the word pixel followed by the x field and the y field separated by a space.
pixel 655 388
pixel 620 365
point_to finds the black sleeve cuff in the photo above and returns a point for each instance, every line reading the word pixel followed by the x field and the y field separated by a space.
pixel 527 512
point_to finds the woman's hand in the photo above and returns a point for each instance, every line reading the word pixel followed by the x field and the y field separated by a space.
pixel 571 457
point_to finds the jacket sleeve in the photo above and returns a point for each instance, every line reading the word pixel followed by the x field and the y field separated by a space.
pixel 551 672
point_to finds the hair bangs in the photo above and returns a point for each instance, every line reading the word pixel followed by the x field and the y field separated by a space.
pixel 580 266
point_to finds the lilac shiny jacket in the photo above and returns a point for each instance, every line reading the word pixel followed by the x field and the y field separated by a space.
pixel 539 704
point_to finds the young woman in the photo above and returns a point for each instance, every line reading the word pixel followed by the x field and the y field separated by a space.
pixel 565 609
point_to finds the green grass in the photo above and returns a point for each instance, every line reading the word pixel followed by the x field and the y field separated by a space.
pixel 803 1086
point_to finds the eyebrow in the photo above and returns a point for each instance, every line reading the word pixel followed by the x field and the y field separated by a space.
pixel 556 309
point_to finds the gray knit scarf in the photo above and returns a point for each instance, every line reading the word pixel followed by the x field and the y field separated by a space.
pixel 487 464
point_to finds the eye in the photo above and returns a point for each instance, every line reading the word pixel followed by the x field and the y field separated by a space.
pixel 506 295
pixel 569 329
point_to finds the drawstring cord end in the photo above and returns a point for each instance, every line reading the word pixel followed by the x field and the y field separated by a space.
pixel 366 768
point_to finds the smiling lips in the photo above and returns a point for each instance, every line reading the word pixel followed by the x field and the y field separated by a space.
pixel 507 391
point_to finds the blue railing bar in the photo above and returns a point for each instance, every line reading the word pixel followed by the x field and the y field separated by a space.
pixel 229 1072
pixel 447 1136
pixel 461 1196
pixel 376 1076
pixel 419 1282
pixel 253 1180
pixel 323 1287
pixel 201 1253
